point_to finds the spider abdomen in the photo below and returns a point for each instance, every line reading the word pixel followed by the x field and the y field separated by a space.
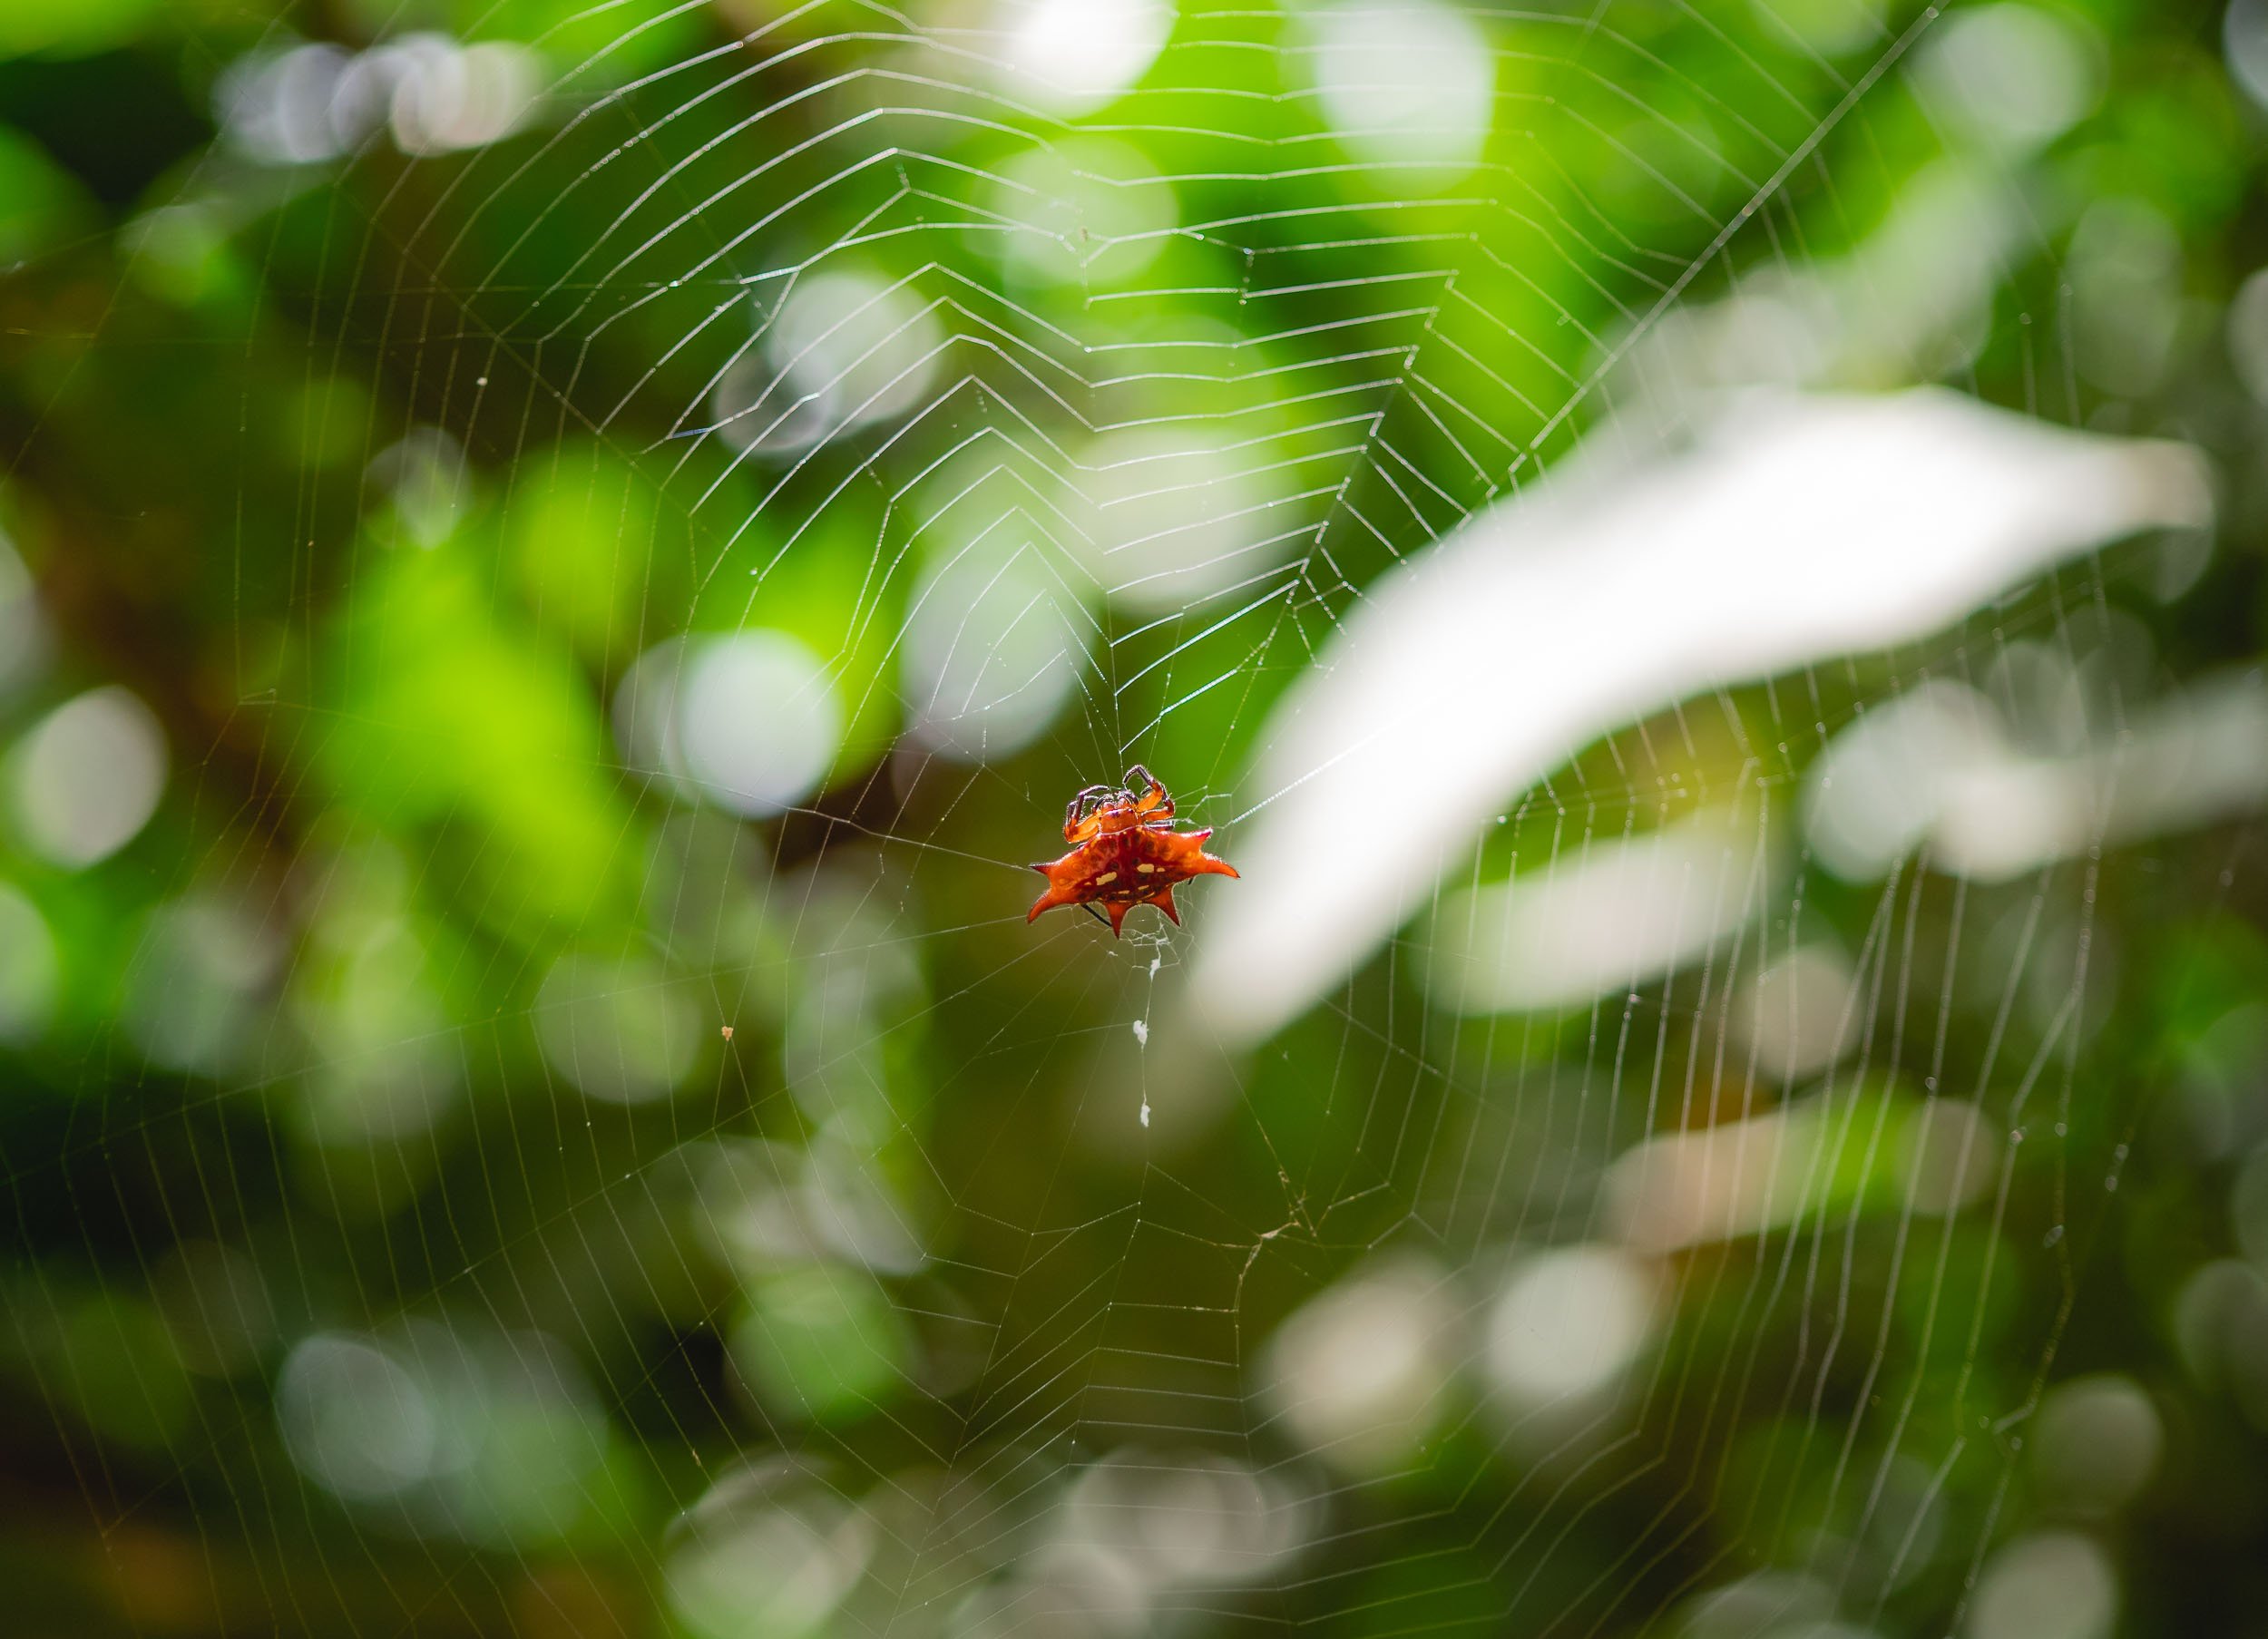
pixel 1128 859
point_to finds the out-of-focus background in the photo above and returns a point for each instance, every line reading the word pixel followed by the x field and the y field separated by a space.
pixel 558 563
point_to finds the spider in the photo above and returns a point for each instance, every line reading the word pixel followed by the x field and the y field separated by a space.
pixel 1125 852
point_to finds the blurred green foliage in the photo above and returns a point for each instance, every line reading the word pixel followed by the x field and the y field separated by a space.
pixel 423 1008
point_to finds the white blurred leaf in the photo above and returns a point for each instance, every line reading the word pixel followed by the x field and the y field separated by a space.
pixel 1795 530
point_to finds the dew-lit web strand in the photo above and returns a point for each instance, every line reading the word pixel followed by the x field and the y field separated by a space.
pixel 1945 1242
pixel 498 1318
pixel 987 392
pixel 891 838
pixel 2063 1028
pixel 2060 1031
pixel 2019 964
pixel 430 1551
pixel 565 397
pixel 1795 1234
pixel 534 1230
pixel 1590 384
pixel 1679 1301
pixel 635 1550
pixel 1122 739
pixel 1583 1434
pixel 1877 1353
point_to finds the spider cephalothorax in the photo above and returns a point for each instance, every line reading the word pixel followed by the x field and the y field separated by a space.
pixel 1125 850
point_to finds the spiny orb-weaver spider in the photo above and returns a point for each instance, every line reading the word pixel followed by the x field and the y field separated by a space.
pixel 1125 852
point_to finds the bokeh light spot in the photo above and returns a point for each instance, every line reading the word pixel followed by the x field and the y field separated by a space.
pixel 2052 1585
pixel 31 968
pixel 1359 1370
pixel 354 1420
pixel 87 778
pixel 1568 1324
pixel 2096 1443
pixel 620 1030
pixel 758 721
pixel 1405 84
pixel 1075 56
pixel 2011 75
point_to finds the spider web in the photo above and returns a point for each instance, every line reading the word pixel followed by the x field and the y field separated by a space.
pixel 689 1193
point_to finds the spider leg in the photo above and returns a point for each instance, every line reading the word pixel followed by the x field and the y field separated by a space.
pixel 1099 916
pixel 1156 802
pixel 1077 811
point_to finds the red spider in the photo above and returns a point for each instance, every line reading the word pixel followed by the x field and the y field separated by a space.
pixel 1126 852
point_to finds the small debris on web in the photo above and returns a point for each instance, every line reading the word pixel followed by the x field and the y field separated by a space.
pixel 1156 963
pixel 1141 1036
pixel 726 1030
